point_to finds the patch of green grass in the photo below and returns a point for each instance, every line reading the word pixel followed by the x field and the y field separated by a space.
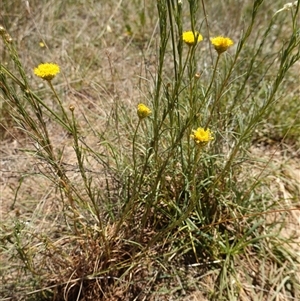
pixel 138 204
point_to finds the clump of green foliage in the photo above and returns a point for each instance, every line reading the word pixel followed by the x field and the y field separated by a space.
pixel 174 190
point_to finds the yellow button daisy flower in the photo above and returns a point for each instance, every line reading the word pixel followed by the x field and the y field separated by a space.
pixel 143 111
pixel 221 44
pixel 202 136
pixel 46 71
pixel 190 37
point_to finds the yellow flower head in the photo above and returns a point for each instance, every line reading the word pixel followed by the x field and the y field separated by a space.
pixel 221 44
pixel 202 136
pixel 143 111
pixel 190 37
pixel 46 71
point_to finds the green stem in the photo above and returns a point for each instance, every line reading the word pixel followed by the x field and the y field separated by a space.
pixel 65 115
pixel 134 146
